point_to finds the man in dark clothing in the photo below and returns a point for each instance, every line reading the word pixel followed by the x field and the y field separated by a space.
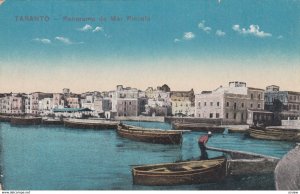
pixel 202 145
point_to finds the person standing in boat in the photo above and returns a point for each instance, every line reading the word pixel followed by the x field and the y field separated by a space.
pixel 202 145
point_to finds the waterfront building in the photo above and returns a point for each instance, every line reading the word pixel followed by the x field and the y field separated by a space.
pixel 12 103
pixel 93 101
pixel 98 105
pixel 72 102
pixel 34 102
pixel 286 102
pixel 157 107
pixel 88 102
pixel 27 103
pixel 255 117
pixel 182 103
pixel 229 103
pixel 158 101
pixel 1 102
pixel 58 100
pixel 4 100
pixel 127 101
pixel 46 106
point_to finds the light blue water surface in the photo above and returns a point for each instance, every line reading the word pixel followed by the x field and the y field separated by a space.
pixel 59 158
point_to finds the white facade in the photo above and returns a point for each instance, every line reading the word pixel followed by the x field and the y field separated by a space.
pixel 229 103
pixel 73 102
pixel 88 102
pixel 182 107
pixel 46 106
pixel 12 104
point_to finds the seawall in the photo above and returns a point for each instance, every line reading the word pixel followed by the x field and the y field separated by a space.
pixel 141 118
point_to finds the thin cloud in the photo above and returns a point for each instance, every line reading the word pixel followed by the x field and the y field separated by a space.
pixel 177 40
pixel 280 37
pixel 203 27
pixel 42 40
pixel 63 40
pixel 97 29
pixel 188 36
pixel 252 30
pixel 220 33
pixel 85 28
pixel 66 41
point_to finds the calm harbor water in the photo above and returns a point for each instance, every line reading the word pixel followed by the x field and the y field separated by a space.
pixel 58 158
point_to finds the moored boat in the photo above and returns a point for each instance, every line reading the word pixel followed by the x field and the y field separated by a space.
pixel 150 135
pixel 50 121
pixel 199 127
pixel 5 118
pixel 275 133
pixel 191 172
pixel 25 120
pixel 90 124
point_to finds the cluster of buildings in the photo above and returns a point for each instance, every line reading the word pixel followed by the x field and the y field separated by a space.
pixel 235 103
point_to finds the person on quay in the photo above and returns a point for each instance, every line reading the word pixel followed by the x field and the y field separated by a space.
pixel 202 145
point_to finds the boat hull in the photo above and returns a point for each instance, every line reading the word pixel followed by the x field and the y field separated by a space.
pixel 198 176
pixel 25 120
pixel 5 118
pixel 52 122
pixel 198 127
pixel 91 125
pixel 278 134
pixel 151 136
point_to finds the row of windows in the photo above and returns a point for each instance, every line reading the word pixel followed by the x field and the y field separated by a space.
pixel 294 107
pixel 180 111
pixel 294 97
pixel 211 104
pixel 252 96
pixel 217 115
pixel 126 103
pixel 228 105
pixel 176 105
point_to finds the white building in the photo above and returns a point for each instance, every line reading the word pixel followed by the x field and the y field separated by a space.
pixel 229 103
pixel 127 101
pixel 88 102
pixel 183 103
pixel 46 106
pixel 12 104
pixel 159 102
pixel 73 102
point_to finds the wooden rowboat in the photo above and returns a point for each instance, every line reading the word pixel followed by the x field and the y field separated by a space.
pixel 191 172
pixel 26 120
pixel 150 135
pixel 90 124
pixel 199 127
pixel 275 134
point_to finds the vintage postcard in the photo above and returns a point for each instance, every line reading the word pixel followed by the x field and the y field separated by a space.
pixel 149 95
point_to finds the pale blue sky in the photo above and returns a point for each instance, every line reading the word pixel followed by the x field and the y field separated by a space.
pixel 196 43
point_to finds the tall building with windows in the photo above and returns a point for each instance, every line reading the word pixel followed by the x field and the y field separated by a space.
pixel 286 102
pixel 158 101
pixel 182 103
pixel 12 103
pixel 229 103
pixel 127 101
